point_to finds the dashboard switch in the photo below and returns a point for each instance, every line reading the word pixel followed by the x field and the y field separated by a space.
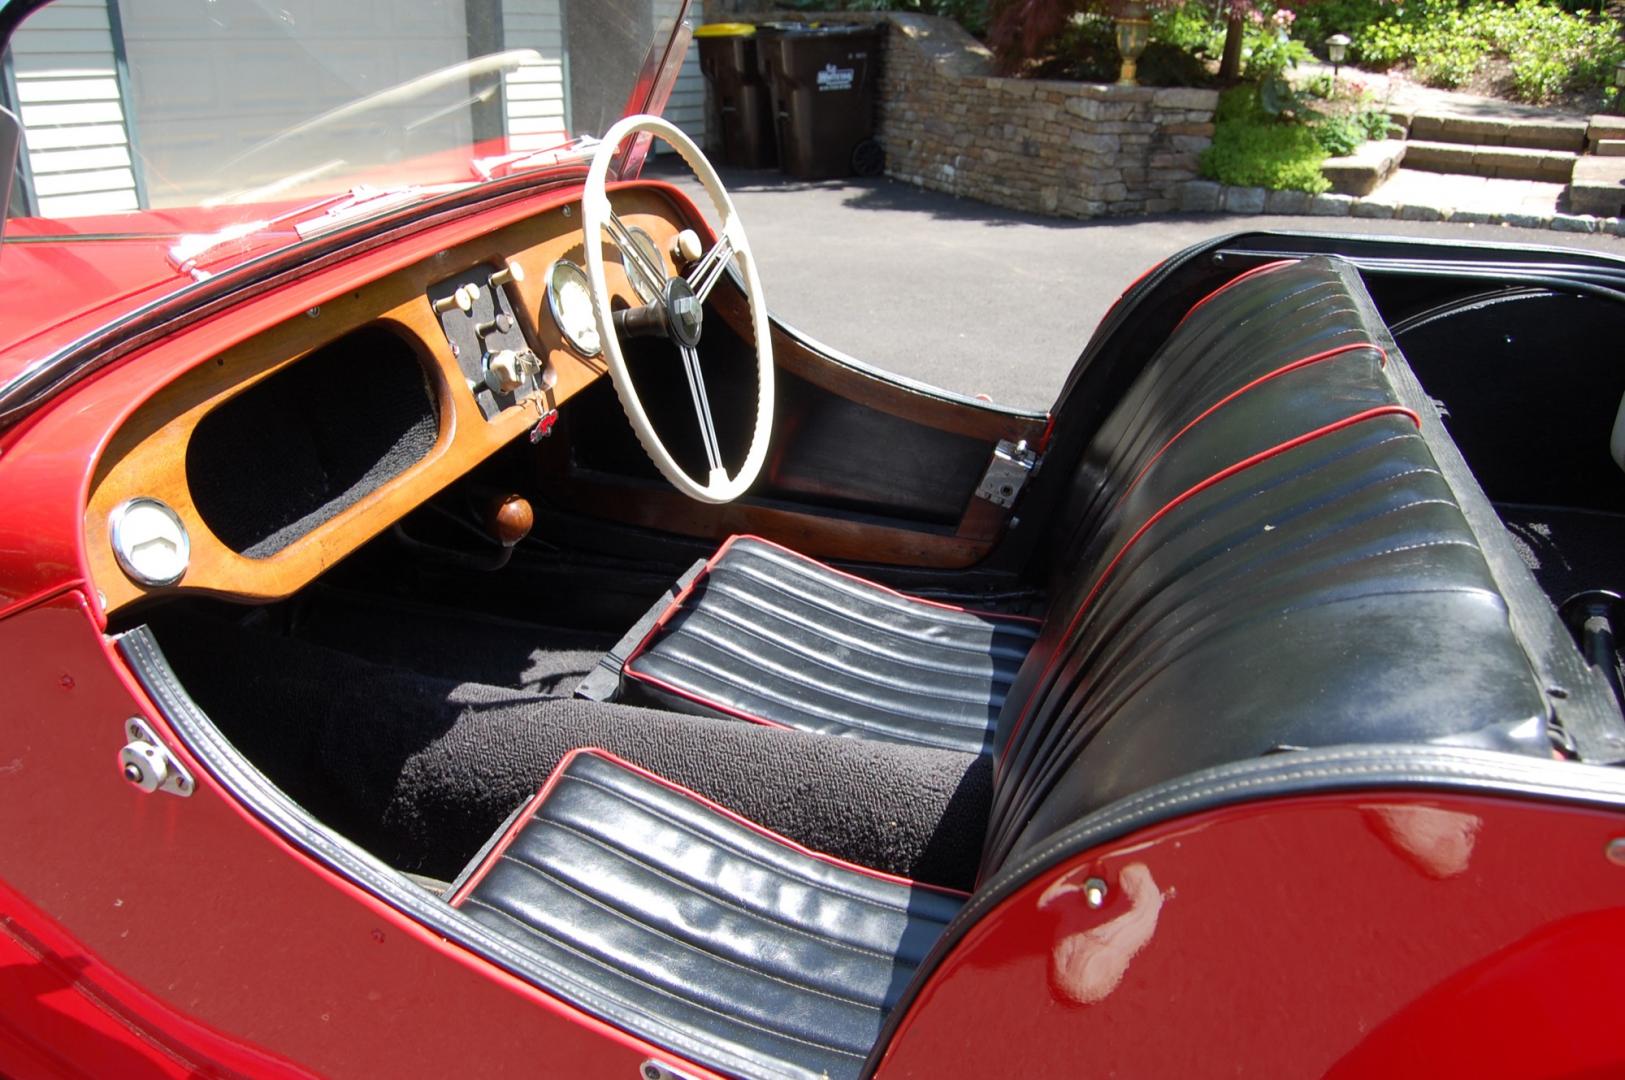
pixel 503 373
pixel 512 272
pixel 463 300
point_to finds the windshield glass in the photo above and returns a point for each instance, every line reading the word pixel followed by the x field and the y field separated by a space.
pixel 231 118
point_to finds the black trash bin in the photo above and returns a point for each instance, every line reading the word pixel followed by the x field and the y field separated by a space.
pixel 822 80
pixel 744 109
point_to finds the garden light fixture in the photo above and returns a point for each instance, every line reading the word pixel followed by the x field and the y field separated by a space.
pixel 1133 34
pixel 1337 49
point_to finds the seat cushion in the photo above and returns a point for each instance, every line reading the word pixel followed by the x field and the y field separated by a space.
pixel 690 915
pixel 766 634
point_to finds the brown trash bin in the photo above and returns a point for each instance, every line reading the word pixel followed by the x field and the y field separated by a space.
pixel 822 80
pixel 744 108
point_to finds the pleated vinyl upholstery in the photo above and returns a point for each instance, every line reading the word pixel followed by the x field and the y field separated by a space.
pixel 770 635
pixel 1257 552
pixel 672 906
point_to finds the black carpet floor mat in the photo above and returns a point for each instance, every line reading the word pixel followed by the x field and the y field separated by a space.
pixel 1568 550
pixel 415 732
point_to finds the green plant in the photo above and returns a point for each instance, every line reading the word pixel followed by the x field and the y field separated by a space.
pixel 1549 51
pixel 1253 149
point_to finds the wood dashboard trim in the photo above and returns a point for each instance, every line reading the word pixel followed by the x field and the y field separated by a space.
pixel 147 455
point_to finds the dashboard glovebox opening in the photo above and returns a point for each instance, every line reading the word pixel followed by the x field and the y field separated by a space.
pixel 296 449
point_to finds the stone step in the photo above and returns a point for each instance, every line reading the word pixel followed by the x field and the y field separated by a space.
pixel 1503 162
pixel 1598 186
pixel 1565 135
pixel 1365 170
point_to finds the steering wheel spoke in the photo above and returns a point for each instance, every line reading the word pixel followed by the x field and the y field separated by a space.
pixel 678 313
pixel 702 406
pixel 630 252
pixel 704 275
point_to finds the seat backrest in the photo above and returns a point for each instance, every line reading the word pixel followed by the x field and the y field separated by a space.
pixel 1258 553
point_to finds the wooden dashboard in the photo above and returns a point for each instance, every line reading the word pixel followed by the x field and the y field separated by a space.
pixel 147 456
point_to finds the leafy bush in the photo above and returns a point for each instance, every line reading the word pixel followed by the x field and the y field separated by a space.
pixel 1192 27
pixel 1550 51
pixel 1252 149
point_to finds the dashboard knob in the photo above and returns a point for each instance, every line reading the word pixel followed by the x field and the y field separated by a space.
pixel 686 246
pixel 511 272
pixel 510 519
pixel 503 371
pixel 463 300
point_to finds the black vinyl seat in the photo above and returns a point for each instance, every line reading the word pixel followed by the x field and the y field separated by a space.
pixel 676 908
pixel 1258 551
pixel 765 634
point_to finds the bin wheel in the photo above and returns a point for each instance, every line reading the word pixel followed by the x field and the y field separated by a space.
pixel 678 314
pixel 868 159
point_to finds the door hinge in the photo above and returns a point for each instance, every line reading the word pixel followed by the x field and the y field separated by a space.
pixel 1007 473
pixel 147 763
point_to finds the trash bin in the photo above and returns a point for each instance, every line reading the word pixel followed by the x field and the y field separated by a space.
pixel 744 109
pixel 822 80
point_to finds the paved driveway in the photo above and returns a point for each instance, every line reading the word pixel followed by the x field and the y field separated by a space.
pixel 973 297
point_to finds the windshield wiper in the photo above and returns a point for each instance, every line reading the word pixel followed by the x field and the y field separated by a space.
pixel 335 211
pixel 579 148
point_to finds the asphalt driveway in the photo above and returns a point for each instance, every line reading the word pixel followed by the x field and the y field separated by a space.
pixel 973 297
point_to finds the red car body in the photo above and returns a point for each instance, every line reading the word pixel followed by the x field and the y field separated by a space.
pixel 1373 932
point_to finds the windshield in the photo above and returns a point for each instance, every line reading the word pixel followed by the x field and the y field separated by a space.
pixel 227 118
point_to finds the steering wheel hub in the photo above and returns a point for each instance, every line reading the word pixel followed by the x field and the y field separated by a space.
pixel 685 313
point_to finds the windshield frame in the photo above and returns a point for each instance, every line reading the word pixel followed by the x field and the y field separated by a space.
pixel 200 295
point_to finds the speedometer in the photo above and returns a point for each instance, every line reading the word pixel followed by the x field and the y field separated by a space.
pixel 570 301
pixel 648 291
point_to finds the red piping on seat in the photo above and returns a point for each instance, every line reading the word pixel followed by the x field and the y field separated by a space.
pixel 492 856
pixel 1184 496
pixel 1237 280
pixel 682 597
pixel 689 695
pixel 714 807
pixel 1234 394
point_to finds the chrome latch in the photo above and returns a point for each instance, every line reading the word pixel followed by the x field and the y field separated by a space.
pixel 148 764
pixel 1007 473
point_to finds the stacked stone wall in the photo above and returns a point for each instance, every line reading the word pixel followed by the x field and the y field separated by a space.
pixel 1083 150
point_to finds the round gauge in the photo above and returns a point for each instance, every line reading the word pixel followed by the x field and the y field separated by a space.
pixel 569 298
pixel 648 291
pixel 149 541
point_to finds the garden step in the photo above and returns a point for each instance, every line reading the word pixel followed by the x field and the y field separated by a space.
pixel 1365 170
pixel 1598 187
pixel 1503 162
pixel 1532 134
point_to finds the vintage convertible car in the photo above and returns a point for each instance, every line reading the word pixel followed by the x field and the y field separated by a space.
pixel 449 626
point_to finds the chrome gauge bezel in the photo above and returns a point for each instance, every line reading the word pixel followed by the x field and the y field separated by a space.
pixel 648 291
pixel 564 268
pixel 118 527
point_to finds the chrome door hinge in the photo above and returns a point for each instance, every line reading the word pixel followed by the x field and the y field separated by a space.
pixel 147 763
pixel 1007 473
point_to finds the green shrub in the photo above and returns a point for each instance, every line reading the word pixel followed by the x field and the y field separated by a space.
pixel 1550 51
pixel 1252 149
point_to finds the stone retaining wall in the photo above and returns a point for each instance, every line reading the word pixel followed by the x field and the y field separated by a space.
pixel 1072 149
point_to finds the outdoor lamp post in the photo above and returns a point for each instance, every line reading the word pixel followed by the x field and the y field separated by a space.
pixel 1133 34
pixel 1337 48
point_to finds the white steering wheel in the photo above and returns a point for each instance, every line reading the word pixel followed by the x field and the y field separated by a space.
pixel 680 312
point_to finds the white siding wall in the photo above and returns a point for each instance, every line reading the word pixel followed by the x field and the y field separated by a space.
pixel 536 107
pixel 73 121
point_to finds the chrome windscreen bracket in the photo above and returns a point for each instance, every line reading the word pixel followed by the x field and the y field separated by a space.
pixel 1007 473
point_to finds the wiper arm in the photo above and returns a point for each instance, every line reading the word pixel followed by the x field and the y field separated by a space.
pixel 336 211
pixel 579 148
